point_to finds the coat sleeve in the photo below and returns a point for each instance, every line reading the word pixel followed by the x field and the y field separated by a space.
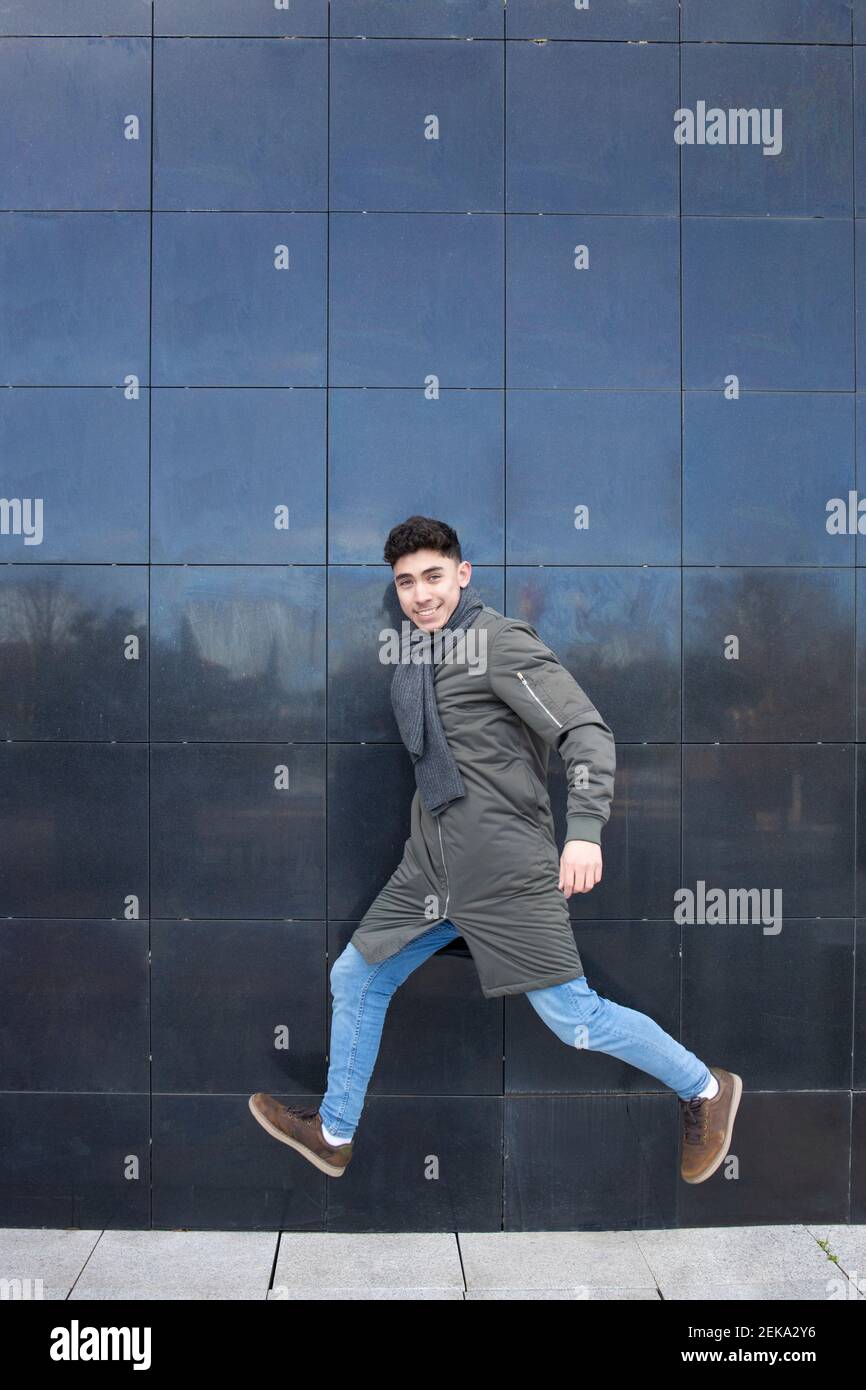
pixel 529 677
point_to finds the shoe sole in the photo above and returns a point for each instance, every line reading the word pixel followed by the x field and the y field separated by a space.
pixel 735 1105
pixel 295 1144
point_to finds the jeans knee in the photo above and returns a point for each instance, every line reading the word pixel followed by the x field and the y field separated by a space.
pixel 587 1005
pixel 584 997
pixel 340 969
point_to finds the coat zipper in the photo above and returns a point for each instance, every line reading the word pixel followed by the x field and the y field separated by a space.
pixel 535 697
pixel 444 865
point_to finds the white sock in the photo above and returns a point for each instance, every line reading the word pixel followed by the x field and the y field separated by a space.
pixel 332 1138
pixel 711 1088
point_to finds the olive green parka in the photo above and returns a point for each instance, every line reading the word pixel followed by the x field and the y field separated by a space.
pixel 489 862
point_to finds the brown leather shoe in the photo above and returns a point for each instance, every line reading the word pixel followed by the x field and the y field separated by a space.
pixel 708 1126
pixel 301 1127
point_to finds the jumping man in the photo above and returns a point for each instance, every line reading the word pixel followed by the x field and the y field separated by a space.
pixel 480 701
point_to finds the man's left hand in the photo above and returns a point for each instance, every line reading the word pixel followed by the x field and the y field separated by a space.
pixel 579 866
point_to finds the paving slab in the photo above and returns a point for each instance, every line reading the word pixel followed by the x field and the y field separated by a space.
pixel 312 1261
pixel 713 1256
pixel 178 1265
pixel 46 1262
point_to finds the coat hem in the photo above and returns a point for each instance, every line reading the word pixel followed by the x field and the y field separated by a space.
pixel 543 982
pixel 395 950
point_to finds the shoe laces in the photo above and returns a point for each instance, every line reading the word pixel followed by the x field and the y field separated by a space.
pixel 304 1112
pixel 695 1119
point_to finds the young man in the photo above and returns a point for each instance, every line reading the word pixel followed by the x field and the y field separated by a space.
pixel 480 701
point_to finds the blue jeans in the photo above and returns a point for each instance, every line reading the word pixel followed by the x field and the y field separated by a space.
pixel 581 1018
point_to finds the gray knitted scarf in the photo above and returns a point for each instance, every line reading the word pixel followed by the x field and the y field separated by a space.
pixel 414 701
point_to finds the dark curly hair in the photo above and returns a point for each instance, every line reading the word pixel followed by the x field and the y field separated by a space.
pixel 421 533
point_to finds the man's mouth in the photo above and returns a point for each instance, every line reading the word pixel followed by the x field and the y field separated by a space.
pixel 426 612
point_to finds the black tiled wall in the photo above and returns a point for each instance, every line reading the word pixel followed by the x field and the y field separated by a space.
pixel 273 275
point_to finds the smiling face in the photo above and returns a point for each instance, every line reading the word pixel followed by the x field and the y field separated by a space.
pixel 428 585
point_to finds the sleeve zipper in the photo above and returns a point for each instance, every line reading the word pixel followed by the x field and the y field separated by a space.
pixel 521 676
pixel 444 866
